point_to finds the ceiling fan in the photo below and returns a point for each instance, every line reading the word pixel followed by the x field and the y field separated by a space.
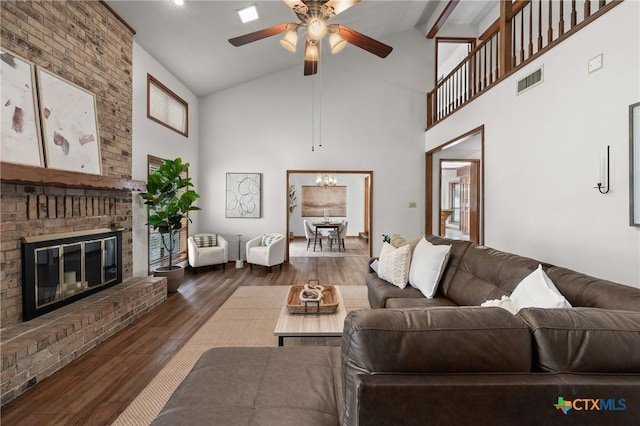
pixel 313 16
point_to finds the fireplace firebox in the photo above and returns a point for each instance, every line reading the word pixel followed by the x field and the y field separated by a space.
pixel 59 269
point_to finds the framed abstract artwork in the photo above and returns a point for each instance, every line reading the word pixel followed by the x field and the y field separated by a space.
pixel 20 128
pixel 634 164
pixel 244 195
pixel 166 108
pixel 69 125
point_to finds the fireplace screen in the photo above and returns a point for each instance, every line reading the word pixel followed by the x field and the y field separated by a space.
pixel 59 269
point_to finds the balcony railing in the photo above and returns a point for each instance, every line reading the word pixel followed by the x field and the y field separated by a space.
pixel 525 30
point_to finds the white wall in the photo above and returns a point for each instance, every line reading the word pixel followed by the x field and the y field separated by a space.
pixel 373 118
pixel 542 149
pixel 151 138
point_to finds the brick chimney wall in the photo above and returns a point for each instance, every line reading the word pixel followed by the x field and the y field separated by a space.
pixel 85 43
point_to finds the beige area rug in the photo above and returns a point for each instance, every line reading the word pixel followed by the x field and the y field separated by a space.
pixel 354 247
pixel 247 318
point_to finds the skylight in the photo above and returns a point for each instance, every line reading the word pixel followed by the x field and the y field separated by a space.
pixel 248 14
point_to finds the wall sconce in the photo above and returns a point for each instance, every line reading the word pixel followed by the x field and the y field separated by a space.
pixel 601 187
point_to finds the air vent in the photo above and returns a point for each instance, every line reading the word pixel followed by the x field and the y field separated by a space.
pixel 530 81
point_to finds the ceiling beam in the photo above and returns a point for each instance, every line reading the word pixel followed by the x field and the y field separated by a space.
pixel 442 18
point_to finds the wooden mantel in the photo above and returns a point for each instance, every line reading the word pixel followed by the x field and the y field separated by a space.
pixel 20 173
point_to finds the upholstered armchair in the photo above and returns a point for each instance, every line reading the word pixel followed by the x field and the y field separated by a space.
pixel 207 249
pixel 266 250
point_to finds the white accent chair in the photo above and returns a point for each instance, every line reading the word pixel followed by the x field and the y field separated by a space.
pixel 338 236
pixel 206 256
pixel 310 234
pixel 268 256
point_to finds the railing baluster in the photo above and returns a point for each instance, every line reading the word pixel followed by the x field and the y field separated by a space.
pixel 497 60
pixel 574 14
pixel 484 65
pixel 561 22
pixel 540 25
pixel 587 8
pixel 521 37
pixel 550 30
pixel 602 4
pixel 531 29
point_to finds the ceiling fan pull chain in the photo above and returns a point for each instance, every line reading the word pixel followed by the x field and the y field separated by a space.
pixel 319 74
pixel 313 112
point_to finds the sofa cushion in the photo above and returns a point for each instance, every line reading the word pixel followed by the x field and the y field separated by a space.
pixel 435 340
pixel 379 291
pixel 259 385
pixel 427 265
pixel 394 264
pixel 585 340
pixel 536 290
pixel 485 274
pixel 206 240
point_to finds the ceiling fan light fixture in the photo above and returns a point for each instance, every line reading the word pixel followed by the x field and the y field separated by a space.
pixel 316 29
pixel 311 52
pixel 336 42
pixel 290 39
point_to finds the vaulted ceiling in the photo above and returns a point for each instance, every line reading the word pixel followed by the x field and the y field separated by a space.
pixel 191 40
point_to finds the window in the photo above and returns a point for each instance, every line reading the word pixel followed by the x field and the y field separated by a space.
pixel 167 108
pixel 158 255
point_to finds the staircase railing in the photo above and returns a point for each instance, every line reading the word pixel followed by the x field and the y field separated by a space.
pixel 525 30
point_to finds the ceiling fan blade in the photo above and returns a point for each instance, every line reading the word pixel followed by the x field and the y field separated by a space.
pixel 310 67
pixel 310 58
pixel 294 3
pixel 363 42
pixel 258 35
pixel 340 5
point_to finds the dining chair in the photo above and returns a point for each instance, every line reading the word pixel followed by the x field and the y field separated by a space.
pixel 310 234
pixel 339 236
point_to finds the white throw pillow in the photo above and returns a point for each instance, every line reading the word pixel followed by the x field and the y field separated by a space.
pixel 374 265
pixel 394 264
pixel 536 290
pixel 504 303
pixel 427 264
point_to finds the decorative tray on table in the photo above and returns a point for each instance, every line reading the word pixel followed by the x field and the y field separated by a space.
pixel 303 299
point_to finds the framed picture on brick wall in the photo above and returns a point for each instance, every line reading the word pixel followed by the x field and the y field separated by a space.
pixel 20 128
pixel 69 125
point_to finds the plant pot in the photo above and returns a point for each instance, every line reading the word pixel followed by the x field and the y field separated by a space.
pixel 174 276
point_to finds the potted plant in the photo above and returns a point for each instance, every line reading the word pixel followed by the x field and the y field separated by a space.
pixel 292 205
pixel 169 199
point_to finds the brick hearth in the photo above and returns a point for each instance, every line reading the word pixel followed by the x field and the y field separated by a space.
pixel 34 350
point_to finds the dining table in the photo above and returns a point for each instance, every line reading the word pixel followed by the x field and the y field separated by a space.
pixel 324 225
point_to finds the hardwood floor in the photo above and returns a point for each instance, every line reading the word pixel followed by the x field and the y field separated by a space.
pixel 98 386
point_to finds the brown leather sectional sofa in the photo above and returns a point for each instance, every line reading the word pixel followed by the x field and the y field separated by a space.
pixel 444 360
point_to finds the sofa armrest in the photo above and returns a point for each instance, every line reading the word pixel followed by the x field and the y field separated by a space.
pixel 433 340
pixel 489 398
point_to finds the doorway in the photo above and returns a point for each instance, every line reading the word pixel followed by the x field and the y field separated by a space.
pixel 455 188
pixel 358 186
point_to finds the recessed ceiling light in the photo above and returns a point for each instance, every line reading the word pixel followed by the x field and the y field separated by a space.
pixel 178 2
pixel 248 14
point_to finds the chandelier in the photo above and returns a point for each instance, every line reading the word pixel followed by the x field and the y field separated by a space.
pixel 326 180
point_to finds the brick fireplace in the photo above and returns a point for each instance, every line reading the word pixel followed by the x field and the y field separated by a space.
pixel 85 43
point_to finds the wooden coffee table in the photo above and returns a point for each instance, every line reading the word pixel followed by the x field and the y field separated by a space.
pixel 321 325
